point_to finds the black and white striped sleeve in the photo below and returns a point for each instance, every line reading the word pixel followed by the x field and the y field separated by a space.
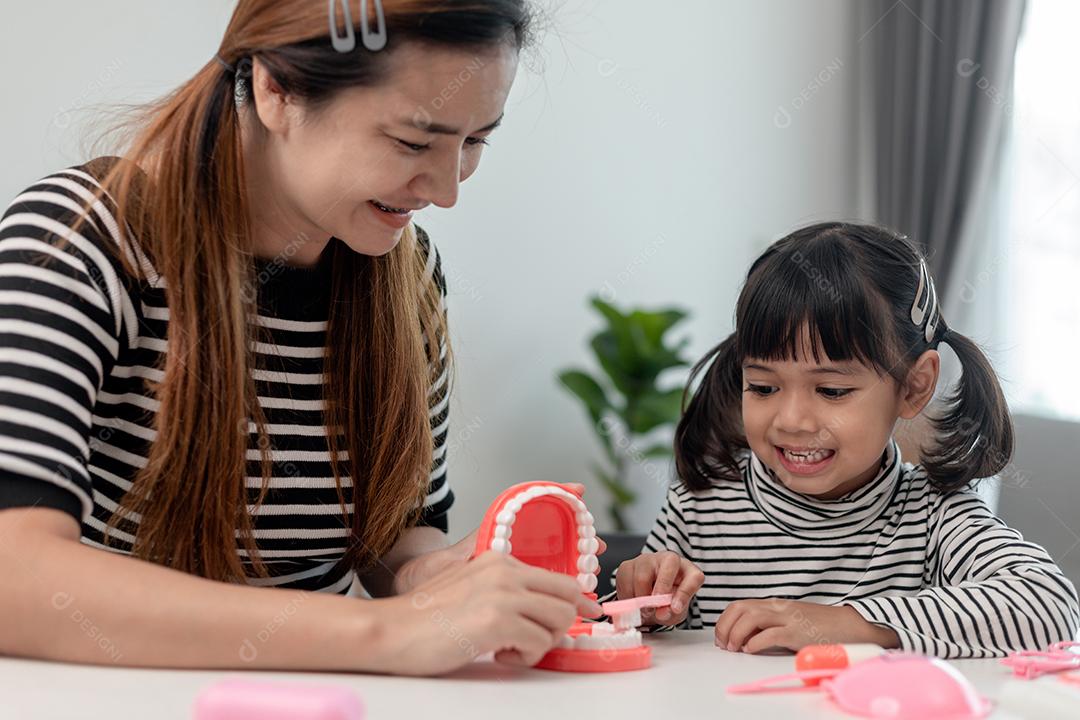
pixel 439 496
pixel 670 532
pixel 61 329
pixel 988 591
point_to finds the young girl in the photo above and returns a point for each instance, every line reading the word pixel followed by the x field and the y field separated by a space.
pixel 796 521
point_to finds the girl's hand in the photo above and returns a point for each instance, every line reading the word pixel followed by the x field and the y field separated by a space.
pixel 658 574
pixel 494 603
pixel 424 567
pixel 753 626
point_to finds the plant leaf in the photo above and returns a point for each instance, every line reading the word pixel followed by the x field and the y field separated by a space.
pixel 588 390
pixel 655 409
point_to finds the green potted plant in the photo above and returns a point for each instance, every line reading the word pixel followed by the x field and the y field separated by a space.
pixel 625 402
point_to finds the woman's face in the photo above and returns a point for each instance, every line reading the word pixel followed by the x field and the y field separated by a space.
pixel 359 167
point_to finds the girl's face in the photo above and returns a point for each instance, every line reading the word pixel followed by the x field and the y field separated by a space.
pixel 822 427
pixel 404 144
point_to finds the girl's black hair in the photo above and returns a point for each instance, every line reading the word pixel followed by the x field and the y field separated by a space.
pixel 854 287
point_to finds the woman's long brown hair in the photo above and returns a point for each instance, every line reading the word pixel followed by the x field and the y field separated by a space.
pixel 189 215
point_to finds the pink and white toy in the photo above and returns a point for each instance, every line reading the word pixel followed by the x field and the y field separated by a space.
pixel 547 525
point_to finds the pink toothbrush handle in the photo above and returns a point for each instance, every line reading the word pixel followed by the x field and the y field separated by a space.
pixel 770 684
pixel 630 604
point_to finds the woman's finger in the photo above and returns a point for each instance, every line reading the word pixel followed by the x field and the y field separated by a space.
pixel 564 587
pixel 524 642
pixel 552 614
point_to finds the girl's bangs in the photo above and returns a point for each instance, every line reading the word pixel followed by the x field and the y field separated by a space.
pixel 814 287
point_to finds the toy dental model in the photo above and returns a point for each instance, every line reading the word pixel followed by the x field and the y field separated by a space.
pixel 547 525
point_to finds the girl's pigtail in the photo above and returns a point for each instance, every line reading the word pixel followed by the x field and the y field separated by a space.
pixel 710 431
pixel 974 437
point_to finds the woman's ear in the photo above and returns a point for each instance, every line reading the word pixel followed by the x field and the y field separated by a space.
pixel 921 382
pixel 275 109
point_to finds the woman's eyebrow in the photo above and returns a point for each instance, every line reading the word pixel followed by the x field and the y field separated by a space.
pixel 439 129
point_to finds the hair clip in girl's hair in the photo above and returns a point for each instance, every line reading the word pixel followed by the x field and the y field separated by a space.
pixel 927 310
pixel 373 41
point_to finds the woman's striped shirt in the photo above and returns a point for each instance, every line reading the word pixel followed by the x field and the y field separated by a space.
pixel 940 569
pixel 79 338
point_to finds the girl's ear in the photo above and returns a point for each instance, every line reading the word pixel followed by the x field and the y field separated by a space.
pixel 921 382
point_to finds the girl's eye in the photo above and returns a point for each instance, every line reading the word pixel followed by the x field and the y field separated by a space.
pixel 412 146
pixel 760 390
pixel 476 141
pixel 834 393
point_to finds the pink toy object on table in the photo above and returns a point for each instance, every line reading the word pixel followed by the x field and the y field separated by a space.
pixel 237 699
pixel 547 525
pixel 1030 664
pixel 897 686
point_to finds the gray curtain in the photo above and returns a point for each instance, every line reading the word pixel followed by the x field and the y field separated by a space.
pixel 939 100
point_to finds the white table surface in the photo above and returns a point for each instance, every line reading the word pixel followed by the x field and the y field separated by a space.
pixel 687 680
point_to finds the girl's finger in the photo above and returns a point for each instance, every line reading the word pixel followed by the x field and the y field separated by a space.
pixel 624 579
pixel 775 637
pixel 645 575
pixel 691 581
pixel 727 618
pixel 748 625
pixel 667 616
pixel 666 574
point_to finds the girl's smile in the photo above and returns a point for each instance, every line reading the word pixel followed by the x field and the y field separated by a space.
pixel 805 461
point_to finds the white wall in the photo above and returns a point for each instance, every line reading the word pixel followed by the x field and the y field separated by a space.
pixel 647 160
pixel 655 155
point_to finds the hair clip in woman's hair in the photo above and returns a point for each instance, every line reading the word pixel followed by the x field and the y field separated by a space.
pixel 925 306
pixel 373 41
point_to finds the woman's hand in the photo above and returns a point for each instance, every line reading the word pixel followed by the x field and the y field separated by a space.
pixel 753 626
pixel 424 567
pixel 658 574
pixel 494 603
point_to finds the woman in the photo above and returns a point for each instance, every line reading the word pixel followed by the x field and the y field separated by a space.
pixel 168 382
